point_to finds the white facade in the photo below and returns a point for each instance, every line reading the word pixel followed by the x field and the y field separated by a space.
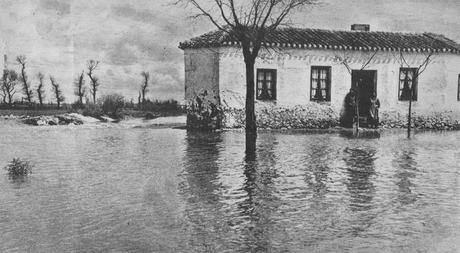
pixel 221 71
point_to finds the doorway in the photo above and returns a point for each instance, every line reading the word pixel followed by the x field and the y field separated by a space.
pixel 365 84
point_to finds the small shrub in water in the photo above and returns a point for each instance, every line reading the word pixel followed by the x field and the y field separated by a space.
pixel 19 167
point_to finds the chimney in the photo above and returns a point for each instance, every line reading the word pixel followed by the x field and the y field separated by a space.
pixel 361 27
pixel 5 62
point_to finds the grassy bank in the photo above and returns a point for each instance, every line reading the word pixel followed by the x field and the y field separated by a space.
pixel 127 112
pixel 32 112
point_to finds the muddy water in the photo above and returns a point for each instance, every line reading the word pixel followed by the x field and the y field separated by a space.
pixel 118 189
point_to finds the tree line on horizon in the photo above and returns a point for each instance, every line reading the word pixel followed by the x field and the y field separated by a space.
pixel 14 81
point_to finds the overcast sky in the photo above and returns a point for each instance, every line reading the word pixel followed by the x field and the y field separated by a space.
pixel 127 37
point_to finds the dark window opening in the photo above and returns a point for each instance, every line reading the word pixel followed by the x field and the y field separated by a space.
pixel 266 84
pixel 407 82
pixel 320 89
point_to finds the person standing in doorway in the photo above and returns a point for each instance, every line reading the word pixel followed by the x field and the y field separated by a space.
pixel 349 109
pixel 374 110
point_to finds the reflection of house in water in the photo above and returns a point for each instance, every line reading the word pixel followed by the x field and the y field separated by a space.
pixel 360 170
pixel 200 188
pixel 246 214
pixel 260 202
pixel 317 167
pixel 406 168
pixel 307 72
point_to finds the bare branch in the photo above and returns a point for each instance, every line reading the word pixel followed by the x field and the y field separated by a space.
pixel 92 66
pixel 344 62
pixel 369 61
pixel 422 67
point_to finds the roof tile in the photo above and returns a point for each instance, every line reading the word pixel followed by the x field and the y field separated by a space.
pixel 319 38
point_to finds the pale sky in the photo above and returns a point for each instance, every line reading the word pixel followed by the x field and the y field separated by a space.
pixel 127 37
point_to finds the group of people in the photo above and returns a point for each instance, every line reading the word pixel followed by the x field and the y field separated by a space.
pixel 351 110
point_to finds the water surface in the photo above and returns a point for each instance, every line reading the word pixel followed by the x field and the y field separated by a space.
pixel 124 189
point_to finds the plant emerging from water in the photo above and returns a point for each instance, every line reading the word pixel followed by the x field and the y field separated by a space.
pixel 18 167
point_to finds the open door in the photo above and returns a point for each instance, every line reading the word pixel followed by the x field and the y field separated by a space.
pixel 365 84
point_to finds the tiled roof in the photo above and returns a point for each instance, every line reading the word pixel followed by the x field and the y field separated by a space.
pixel 340 40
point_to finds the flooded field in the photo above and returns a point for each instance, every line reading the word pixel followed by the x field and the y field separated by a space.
pixel 124 189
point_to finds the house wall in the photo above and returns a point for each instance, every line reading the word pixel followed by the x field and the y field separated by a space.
pixel 202 87
pixel 437 86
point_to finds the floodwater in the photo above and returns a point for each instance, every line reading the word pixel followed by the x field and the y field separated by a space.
pixel 124 189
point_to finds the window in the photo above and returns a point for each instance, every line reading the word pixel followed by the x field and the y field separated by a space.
pixel 458 90
pixel 407 81
pixel 320 89
pixel 266 84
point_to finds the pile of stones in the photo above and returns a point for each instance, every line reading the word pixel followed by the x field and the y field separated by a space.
pixel 275 117
pixel 439 121
pixel 52 120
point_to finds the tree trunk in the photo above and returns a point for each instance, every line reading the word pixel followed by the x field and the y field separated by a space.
pixel 251 128
pixel 250 112
pixel 94 97
pixel 409 116
pixel 26 87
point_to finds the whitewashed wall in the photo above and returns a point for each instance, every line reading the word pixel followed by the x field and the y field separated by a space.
pixel 437 86
pixel 201 73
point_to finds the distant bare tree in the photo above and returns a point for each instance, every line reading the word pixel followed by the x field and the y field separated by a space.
pixel 249 23
pixel 139 100
pixel 57 91
pixel 94 81
pixel 146 76
pixel 2 86
pixel 3 93
pixel 80 89
pixel 9 81
pixel 28 92
pixel 40 89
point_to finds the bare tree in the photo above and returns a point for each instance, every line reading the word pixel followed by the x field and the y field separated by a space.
pixel 146 76
pixel 249 23
pixel 80 89
pixel 139 100
pixel 2 86
pixel 9 81
pixel 28 92
pixel 418 70
pixel 57 91
pixel 40 89
pixel 94 81
pixel 3 93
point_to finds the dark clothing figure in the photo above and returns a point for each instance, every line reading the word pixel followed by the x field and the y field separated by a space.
pixel 374 111
pixel 348 110
pixel 405 93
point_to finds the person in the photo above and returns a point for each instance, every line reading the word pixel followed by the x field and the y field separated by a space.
pixel 374 110
pixel 349 109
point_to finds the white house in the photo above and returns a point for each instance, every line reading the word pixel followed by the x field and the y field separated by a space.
pixel 316 68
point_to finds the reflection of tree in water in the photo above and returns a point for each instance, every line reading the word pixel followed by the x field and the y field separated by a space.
pixel 360 169
pixel 19 181
pixel 201 188
pixel 406 168
pixel 260 203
